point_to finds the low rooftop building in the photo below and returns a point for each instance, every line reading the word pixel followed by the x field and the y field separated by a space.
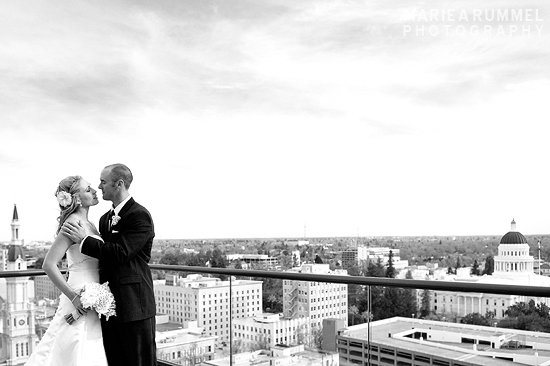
pixel 405 341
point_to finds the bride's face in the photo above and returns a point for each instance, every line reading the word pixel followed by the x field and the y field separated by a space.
pixel 88 196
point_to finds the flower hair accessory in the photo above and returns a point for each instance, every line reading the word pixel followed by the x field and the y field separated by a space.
pixel 64 198
pixel 115 219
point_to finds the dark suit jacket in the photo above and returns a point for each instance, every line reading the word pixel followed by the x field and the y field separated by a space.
pixel 123 258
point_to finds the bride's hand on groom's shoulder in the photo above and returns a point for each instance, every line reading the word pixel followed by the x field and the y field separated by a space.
pixel 74 230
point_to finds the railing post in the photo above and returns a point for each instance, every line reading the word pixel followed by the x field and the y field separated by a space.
pixel 230 321
pixel 369 309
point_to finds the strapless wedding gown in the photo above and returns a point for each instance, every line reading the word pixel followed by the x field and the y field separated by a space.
pixel 80 343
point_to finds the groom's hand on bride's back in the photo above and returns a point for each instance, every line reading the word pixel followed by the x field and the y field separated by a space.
pixel 74 230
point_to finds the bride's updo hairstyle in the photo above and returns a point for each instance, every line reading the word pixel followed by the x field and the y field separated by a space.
pixel 68 198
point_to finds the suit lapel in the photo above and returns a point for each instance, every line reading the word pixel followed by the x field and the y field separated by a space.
pixel 104 224
pixel 104 220
pixel 126 207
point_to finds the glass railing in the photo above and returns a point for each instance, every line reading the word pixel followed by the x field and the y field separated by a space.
pixel 226 317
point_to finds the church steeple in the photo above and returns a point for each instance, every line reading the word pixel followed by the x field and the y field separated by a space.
pixel 17 316
pixel 15 215
pixel 15 239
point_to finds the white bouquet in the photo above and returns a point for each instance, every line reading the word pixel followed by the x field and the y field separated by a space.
pixel 97 297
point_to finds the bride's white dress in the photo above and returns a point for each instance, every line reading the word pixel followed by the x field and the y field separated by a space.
pixel 80 343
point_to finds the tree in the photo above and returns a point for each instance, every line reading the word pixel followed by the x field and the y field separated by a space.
pixel 38 263
pixel 197 260
pixel 316 337
pixel 237 346
pixel 169 258
pixel 425 308
pixel 261 343
pixel 192 355
pixel 272 288
pixel 353 289
pixel 458 263
pixel 376 292
pixel 318 259
pixel 478 319
pixel 353 311
pixel 275 303
pixel 475 269
pixel 302 334
pixel 489 265
pixel 390 271
pixel 376 269
pixel 286 261
pixel 390 303
pixel 408 300
pixel 218 259
pixel 386 302
pixel 365 316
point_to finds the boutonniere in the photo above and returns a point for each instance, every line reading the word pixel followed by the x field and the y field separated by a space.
pixel 115 220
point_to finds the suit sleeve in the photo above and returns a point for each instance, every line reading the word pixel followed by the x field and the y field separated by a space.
pixel 134 235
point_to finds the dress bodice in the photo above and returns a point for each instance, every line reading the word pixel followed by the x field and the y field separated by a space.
pixel 78 261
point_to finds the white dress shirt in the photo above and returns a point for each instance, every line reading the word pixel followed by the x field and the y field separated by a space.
pixel 121 204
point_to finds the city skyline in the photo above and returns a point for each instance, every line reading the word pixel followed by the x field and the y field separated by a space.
pixel 281 119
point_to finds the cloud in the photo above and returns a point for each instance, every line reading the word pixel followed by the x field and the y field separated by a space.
pixel 452 75
pixel 208 11
pixel 391 129
pixel 110 88
pixel 322 111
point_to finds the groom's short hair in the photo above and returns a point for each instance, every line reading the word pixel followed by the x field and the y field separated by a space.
pixel 121 171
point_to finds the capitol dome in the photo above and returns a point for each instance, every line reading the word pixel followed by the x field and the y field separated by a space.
pixel 513 236
pixel 513 257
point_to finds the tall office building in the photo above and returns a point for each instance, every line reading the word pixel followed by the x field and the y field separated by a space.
pixel 315 300
pixel 207 301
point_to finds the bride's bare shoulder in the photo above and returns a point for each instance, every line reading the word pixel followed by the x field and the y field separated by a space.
pixel 74 219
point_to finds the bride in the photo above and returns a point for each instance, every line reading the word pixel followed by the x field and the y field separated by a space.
pixel 79 343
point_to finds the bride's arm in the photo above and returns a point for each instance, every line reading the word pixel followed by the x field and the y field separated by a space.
pixel 54 255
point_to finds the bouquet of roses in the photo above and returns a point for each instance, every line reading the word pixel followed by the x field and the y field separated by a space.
pixel 97 297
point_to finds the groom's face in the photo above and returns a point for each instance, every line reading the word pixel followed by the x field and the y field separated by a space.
pixel 107 185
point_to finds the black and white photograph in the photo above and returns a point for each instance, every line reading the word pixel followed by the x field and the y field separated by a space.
pixel 354 182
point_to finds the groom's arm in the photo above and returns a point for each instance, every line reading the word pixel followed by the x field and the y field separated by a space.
pixel 136 233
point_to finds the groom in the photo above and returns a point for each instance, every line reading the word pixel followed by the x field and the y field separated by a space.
pixel 127 232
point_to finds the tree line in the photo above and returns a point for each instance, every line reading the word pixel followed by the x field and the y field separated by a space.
pixel 380 302
pixel 523 316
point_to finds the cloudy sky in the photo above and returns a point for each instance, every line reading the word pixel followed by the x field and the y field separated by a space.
pixel 257 118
